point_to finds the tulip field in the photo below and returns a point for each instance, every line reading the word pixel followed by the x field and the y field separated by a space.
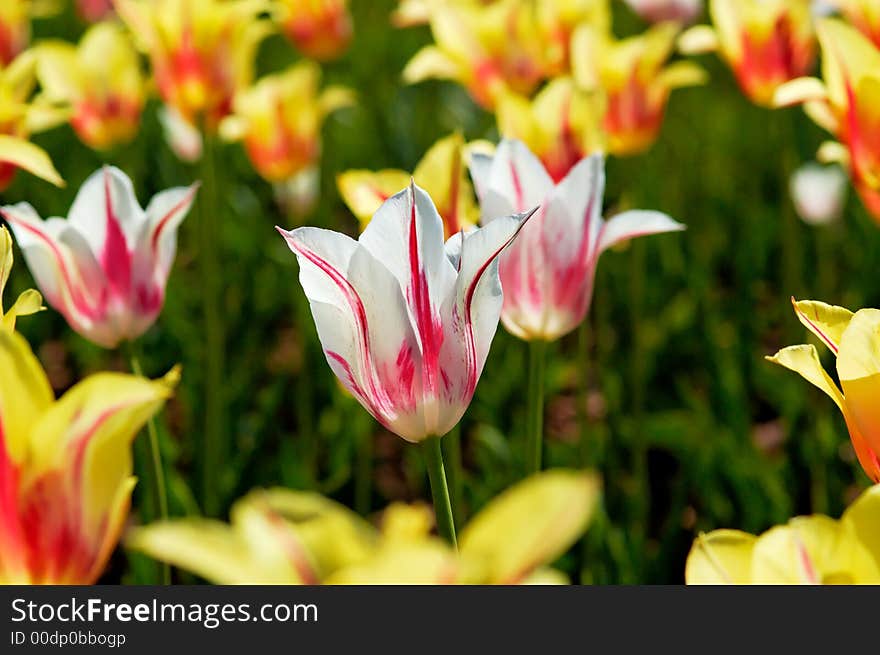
pixel 439 291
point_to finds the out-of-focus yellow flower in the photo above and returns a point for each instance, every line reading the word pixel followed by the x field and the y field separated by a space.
pixel 15 29
pixel 855 341
pixel 561 125
pixel 864 15
pixel 279 119
pixel 202 51
pixel 29 302
pixel 66 466
pixel 19 118
pixel 765 42
pixel 100 81
pixel 485 49
pixel 280 536
pixel 807 550
pixel 847 104
pixel 320 29
pixel 441 172
pixel 636 79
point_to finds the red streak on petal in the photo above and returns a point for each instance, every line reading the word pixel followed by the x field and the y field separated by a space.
pixel 160 226
pixel 115 257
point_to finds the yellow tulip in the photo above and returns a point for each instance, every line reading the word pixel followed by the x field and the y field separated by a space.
pixel 855 341
pixel 807 550
pixel 99 80
pixel 279 120
pixel 29 302
pixel 441 172
pixel 864 15
pixel 847 104
pixel 202 51
pixel 320 29
pixel 635 77
pixel 15 29
pixel 280 536
pixel 66 466
pixel 765 42
pixel 487 49
pixel 20 117
pixel 561 125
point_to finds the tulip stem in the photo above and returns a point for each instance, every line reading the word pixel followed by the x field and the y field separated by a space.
pixel 439 489
pixel 213 436
pixel 535 423
pixel 160 493
pixel 452 451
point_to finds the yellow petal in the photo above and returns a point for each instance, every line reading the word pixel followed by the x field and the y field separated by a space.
pixel 821 113
pixel 812 550
pixel 422 563
pixel 531 524
pixel 798 91
pixel 863 516
pixel 682 74
pixel 5 261
pixel 31 158
pixel 847 57
pixel 29 302
pixel 832 152
pixel 827 322
pixel 546 576
pixel 336 97
pixel 441 172
pixel 430 62
pixel 210 549
pixel 858 367
pixel 720 557
pixel 698 40
pixel 804 360
pixel 58 71
pixel 25 393
pixel 88 434
pixel 365 191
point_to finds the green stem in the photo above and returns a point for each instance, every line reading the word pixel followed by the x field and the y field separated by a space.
pixel 452 452
pixel 535 424
pixel 213 437
pixel 439 490
pixel 160 493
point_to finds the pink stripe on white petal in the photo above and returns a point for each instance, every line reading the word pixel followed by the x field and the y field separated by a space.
pixel 115 257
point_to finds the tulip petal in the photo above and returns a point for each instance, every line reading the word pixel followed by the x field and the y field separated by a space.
pixel 87 434
pixel 635 223
pixel 827 322
pixel 531 524
pixel 210 549
pixel 863 517
pixel 441 173
pixel 858 367
pixel 106 212
pixel 158 235
pixel 798 91
pixel 804 360
pixel 29 302
pixel 31 158
pixel 59 74
pixel 365 191
pixel 471 315
pixel 517 182
pixel 430 62
pixel 720 557
pixel 698 40
pixel 360 314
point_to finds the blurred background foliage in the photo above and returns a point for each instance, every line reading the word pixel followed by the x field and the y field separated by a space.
pixel 689 427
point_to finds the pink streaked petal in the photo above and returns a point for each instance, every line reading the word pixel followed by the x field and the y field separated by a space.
pixel 480 167
pixel 157 241
pixel 472 318
pixel 518 176
pixel 633 224
pixel 574 212
pixel 406 235
pixel 106 193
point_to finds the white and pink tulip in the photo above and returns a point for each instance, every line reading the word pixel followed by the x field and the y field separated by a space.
pixel 548 273
pixel 405 321
pixel 104 268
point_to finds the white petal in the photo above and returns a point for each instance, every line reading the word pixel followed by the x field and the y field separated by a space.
pixel 635 223
pixel 573 217
pixel 518 176
pixel 480 167
pixel 107 195
pixel 158 234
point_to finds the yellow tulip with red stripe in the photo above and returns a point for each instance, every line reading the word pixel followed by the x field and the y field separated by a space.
pixel 65 466
pixel 15 29
pixel 441 172
pixel 279 120
pixel 854 339
pixel 636 78
pixel 279 536
pixel 765 42
pixel 864 15
pixel 320 29
pixel 561 125
pixel 100 80
pixel 20 117
pixel 847 104
pixel 202 51
pixel 807 550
